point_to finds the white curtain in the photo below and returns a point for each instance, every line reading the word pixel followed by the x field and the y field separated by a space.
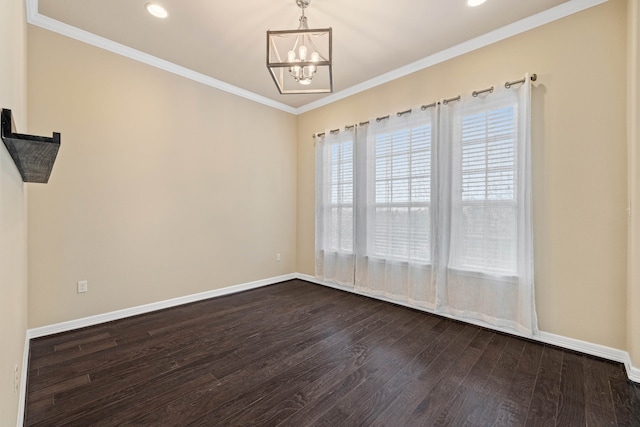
pixel 485 243
pixel 393 244
pixel 335 259
pixel 433 208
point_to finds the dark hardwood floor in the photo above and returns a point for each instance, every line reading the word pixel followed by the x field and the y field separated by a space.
pixel 298 354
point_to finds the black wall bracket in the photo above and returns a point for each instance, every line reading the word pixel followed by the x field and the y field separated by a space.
pixel 33 155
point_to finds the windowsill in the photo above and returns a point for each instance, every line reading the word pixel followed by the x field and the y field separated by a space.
pixel 482 275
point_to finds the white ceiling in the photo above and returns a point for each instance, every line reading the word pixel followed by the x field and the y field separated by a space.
pixel 223 43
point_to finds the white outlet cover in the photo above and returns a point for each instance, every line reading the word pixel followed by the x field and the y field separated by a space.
pixel 83 286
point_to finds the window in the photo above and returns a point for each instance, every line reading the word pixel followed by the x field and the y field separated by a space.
pixel 485 234
pixel 400 221
pixel 340 203
pixel 335 198
pixel 432 208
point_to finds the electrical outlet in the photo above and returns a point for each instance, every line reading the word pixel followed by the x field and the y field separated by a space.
pixel 16 379
pixel 278 257
pixel 83 286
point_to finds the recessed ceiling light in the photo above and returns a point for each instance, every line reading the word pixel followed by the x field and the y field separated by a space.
pixel 156 10
pixel 475 2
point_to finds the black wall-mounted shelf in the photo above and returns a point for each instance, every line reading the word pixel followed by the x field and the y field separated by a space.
pixel 33 155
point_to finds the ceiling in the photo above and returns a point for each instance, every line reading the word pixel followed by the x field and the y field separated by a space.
pixel 223 43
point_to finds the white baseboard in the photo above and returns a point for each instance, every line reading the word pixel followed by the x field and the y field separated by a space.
pixel 584 347
pixel 595 350
pixel 23 381
pixel 634 373
pixel 604 352
pixel 147 308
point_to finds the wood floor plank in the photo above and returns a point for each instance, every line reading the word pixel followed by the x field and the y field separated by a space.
pixel 436 404
pixel 50 416
pixel 70 354
pixel 327 391
pixel 484 366
pixel 495 388
pixel 515 400
pixel 571 406
pixel 626 402
pixel 501 377
pixel 544 402
pixel 364 402
pixel 599 407
pixel 327 359
pixel 146 397
pixel 413 395
pixel 61 386
pixel 469 404
pixel 469 407
pixel 312 401
pixel 299 354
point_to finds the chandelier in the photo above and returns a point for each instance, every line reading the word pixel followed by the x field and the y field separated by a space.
pixel 300 60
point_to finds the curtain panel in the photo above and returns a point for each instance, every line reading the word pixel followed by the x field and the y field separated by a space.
pixel 393 245
pixel 432 208
pixel 484 232
pixel 335 168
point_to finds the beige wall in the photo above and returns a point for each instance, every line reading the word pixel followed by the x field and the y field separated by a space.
pixel 163 187
pixel 633 129
pixel 579 158
pixel 13 214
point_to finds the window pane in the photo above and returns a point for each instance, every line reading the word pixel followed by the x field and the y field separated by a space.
pixel 488 155
pixel 486 236
pixel 340 229
pixel 339 206
pixel 400 225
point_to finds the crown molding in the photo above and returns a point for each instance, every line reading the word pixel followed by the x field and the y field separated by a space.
pixel 537 20
pixel 534 21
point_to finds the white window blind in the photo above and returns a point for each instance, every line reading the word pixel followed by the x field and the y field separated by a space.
pixel 486 236
pixel 340 204
pixel 400 219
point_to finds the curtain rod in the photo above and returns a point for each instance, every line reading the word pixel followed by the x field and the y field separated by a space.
pixel 446 101
pixel 508 85
pixel 475 93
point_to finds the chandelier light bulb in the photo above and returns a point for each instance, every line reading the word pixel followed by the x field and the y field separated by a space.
pixel 315 57
pixel 291 56
pixel 303 53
